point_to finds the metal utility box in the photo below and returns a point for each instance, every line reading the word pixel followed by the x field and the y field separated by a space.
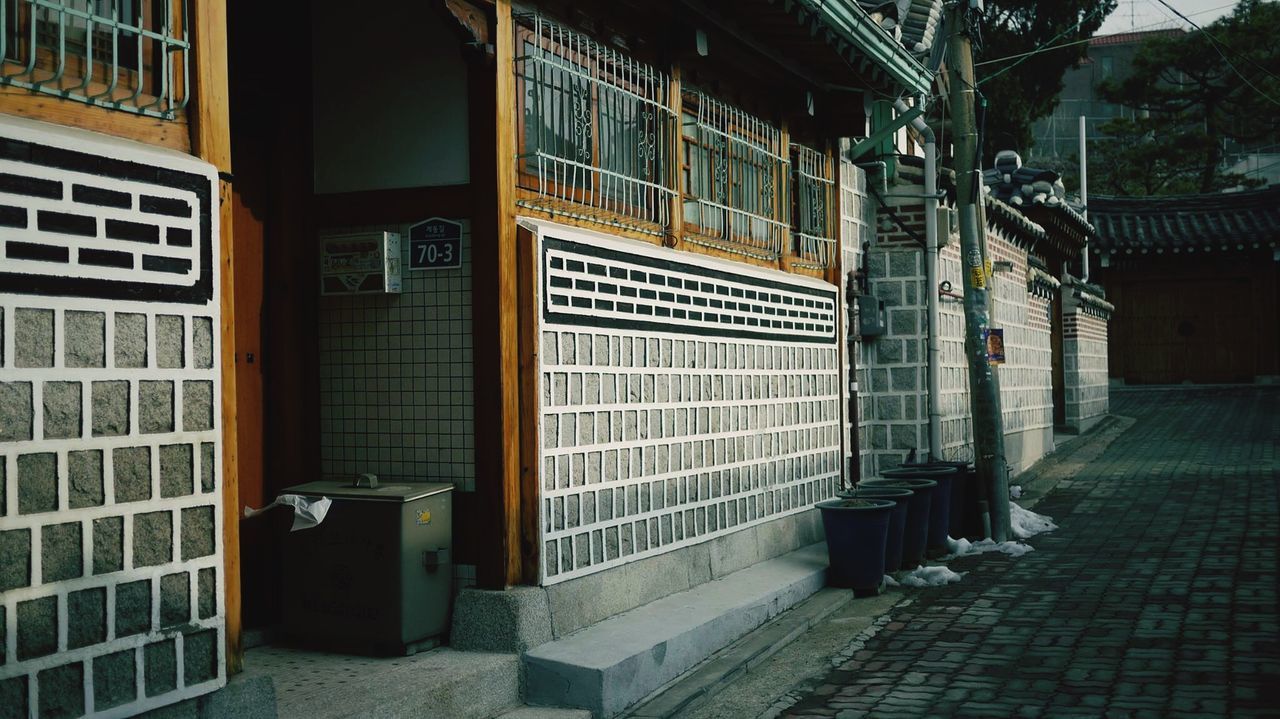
pixel 376 574
pixel 871 316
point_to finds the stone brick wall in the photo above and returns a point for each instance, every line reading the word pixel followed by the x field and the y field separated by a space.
pixel 110 477
pixel 897 417
pixel 682 398
pixel 857 223
pixel 396 378
pixel 1025 379
pixel 1084 350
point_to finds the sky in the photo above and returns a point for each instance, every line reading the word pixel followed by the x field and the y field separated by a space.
pixel 1151 15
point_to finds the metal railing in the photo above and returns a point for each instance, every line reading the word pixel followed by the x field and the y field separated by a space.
pixel 815 185
pixel 736 184
pixel 130 55
pixel 595 126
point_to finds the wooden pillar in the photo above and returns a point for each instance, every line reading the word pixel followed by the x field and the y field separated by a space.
pixel 495 312
pixel 211 141
pixel 675 100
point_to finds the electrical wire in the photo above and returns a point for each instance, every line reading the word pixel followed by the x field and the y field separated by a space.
pixel 1052 40
pixel 1218 45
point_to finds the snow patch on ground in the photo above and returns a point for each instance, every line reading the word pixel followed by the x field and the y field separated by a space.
pixel 1024 523
pixel 934 576
pixel 961 547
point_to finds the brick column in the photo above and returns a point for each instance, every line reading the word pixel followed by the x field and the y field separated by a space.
pixel 1085 315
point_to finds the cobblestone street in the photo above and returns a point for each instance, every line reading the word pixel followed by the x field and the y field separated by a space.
pixel 1156 597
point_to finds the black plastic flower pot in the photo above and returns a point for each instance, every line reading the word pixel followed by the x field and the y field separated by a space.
pixel 856 530
pixel 915 534
pixel 946 475
pixel 897 520
pixel 966 515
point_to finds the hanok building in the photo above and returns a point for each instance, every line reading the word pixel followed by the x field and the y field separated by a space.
pixel 1194 279
pixel 617 333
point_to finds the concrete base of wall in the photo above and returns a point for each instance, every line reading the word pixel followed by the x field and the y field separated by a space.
pixel 244 697
pixel 1080 426
pixel 521 618
pixel 511 621
pixel 1025 448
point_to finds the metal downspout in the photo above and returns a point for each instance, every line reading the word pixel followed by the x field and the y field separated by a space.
pixel 933 355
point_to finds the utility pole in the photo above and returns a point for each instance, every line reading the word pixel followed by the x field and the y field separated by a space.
pixel 984 394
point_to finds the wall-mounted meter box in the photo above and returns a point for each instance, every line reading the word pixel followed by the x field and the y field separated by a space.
pixel 365 263
pixel 871 316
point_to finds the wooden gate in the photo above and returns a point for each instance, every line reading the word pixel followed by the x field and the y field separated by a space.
pixel 1174 330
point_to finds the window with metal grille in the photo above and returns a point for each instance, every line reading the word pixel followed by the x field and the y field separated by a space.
pixel 594 128
pixel 815 185
pixel 130 55
pixel 735 175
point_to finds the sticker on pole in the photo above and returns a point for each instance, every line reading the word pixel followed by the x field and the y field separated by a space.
pixel 994 337
pixel 977 278
pixel 435 244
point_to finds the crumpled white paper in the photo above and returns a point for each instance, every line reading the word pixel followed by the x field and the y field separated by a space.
pixel 307 511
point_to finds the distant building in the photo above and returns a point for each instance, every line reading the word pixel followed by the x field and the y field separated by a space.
pixel 1110 56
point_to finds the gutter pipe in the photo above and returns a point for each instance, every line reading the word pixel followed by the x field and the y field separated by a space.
pixel 934 364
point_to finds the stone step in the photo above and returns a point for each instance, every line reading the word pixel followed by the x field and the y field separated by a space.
pixel 698 686
pixel 528 712
pixel 614 664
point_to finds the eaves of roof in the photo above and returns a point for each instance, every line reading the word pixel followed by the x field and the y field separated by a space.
pixel 1175 223
pixel 1023 231
pixel 849 21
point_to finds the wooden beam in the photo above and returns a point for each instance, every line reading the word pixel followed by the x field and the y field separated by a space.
pixel 530 407
pixel 508 302
pixel 211 141
pixel 495 307
pixel 173 134
pixel 675 100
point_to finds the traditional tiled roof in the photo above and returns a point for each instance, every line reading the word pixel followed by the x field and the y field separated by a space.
pixel 1003 217
pixel 914 23
pixel 1040 196
pixel 1126 38
pixel 1222 221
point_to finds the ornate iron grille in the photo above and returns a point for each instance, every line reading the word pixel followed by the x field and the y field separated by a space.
pixel 815 186
pixel 130 55
pixel 735 175
pixel 594 127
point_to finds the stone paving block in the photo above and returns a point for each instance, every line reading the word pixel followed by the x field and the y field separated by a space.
pixel 37 627
pixel 86 617
pixel 62 691
pixel 152 538
pixel 130 340
pixel 84 478
pixel 160 667
pixel 114 679
pixel 37 483
pixel 108 545
pixel 1137 606
pixel 33 341
pixel 132 469
pixel 60 552
pixel 86 339
pixel 133 608
pixel 109 401
pixel 62 411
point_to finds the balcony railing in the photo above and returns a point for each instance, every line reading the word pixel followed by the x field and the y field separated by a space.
pixel 130 55
pixel 595 127
pixel 815 186
pixel 736 174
